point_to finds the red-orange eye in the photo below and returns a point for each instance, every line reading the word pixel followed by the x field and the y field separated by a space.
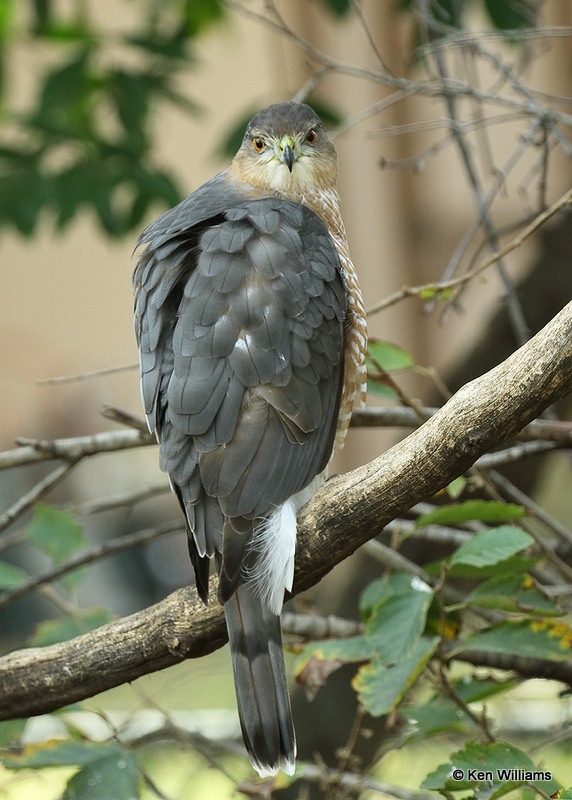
pixel 259 145
pixel 311 136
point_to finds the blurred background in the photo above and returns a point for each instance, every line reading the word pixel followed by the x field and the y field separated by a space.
pixel 114 110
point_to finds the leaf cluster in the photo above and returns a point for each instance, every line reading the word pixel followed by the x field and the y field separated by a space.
pixel 411 633
pixel 86 140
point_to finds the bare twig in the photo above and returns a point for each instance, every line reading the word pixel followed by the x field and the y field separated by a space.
pixel 38 491
pixel 33 451
pixel 444 286
pixel 84 376
pixel 515 495
pixel 109 548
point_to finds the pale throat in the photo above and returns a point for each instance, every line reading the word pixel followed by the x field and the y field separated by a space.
pixel 310 184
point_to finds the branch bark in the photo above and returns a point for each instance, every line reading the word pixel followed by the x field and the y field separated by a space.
pixel 348 511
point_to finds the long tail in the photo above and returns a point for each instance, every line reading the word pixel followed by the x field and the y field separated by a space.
pixel 260 681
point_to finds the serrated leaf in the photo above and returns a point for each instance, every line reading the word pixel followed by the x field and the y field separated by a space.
pixel 61 630
pixel 473 690
pixel 517 593
pixel 55 532
pixel 534 638
pixel 389 356
pixel 436 716
pixel 61 753
pixel 95 781
pixel 352 649
pixel 379 590
pixel 491 771
pixel 380 688
pixel 11 576
pixel 491 547
pixel 512 564
pixel 396 625
pixel 480 510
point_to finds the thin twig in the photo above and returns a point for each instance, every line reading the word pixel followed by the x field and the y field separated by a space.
pixel 38 491
pixel 515 495
pixel 429 89
pixel 31 451
pixel 444 286
pixel 84 376
pixel 516 314
pixel 109 548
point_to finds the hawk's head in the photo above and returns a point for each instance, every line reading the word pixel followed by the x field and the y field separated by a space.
pixel 286 150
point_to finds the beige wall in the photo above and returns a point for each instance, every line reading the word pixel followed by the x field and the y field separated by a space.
pixel 66 303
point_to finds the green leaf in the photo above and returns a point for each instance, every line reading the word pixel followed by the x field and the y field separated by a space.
pixel 510 15
pixel 200 16
pixel 456 487
pixel 55 532
pixel 517 593
pixel 378 388
pixel 42 13
pixel 132 93
pixel 11 731
pixel 481 510
pixel 436 716
pixel 434 293
pixel 377 591
pixel 6 18
pixel 60 630
pixel 169 47
pixel 441 714
pixel 63 106
pixel 380 688
pixel 491 547
pixel 472 690
pixel 339 8
pixel 352 649
pixel 535 638
pixel 61 753
pixel 389 356
pixel 23 193
pixel 491 771
pixel 67 31
pixel 397 623
pixel 95 781
pixel 11 576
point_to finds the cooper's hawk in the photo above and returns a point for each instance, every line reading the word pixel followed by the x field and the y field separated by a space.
pixel 252 335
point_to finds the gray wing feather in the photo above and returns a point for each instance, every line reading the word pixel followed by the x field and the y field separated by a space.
pixel 240 309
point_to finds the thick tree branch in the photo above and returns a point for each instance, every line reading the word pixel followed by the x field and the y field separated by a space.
pixel 345 513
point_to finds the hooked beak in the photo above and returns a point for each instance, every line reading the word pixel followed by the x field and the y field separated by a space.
pixel 287 156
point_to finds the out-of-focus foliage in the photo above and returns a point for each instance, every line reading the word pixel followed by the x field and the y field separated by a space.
pixel 85 138
pixel 506 15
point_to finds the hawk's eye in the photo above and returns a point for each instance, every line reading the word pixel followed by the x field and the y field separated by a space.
pixel 259 144
pixel 311 136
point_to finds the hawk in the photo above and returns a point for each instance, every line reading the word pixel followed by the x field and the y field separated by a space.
pixel 252 336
